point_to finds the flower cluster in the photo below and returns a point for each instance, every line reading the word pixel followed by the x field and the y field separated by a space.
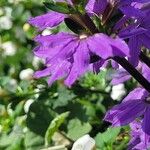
pixel 120 33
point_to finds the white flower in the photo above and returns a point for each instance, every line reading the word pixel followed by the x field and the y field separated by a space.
pixel 26 74
pixel 84 143
pixel 118 91
pixel 9 48
pixel 8 11
pixel 5 23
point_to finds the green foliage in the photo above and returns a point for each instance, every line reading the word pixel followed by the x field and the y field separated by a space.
pixel 54 125
pixel 61 7
pixel 30 111
pixel 77 129
pixel 106 139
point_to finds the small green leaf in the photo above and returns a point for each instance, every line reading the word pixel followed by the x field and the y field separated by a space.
pixel 59 7
pixel 64 97
pixel 33 140
pixel 80 3
pixel 106 138
pixel 77 129
pixel 54 125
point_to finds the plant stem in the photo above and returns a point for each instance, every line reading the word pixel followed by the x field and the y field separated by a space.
pixel 128 67
pixel 145 59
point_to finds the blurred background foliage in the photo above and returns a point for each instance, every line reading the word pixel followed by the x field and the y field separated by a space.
pixel 34 116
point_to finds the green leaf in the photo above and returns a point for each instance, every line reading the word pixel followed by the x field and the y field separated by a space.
pixel 106 138
pixel 33 141
pixel 13 140
pixel 77 129
pixel 59 7
pixel 54 125
pixel 64 96
pixel 38 118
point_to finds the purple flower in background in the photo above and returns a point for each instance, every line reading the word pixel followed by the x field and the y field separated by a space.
pixel 131 8
pixel 138 32
pixel 139 140
pixel 68 55
pixel 121 75
pixel 136 104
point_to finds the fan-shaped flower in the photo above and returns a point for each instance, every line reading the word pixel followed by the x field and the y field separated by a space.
pixel 69 55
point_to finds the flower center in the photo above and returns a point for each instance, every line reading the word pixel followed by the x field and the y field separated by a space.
pixel 83 36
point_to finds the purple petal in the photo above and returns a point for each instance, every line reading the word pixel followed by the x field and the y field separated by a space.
pixel 51 19
pixel 96 6
pixel 131 31
pixel 50 45
pixel 146 121
pixel 59 71
pixel 114 64
pixel 106 47
pixel 119 115
pixel 67 51
pixel 130 11
pixel 99 45
pixel 80 64
pixel 138 93
pixel 135 49
pixel 43 73
pixel 145 40
pixel 146 71
pixel 120 48
pixel 120 77
pixel 97 66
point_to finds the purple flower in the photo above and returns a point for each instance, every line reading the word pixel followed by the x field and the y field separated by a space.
pixel 51 19
pixel 139 140
pixel 135 105
pixel 132 8
pixel 121 75
pixel 138 31
pixel 68 55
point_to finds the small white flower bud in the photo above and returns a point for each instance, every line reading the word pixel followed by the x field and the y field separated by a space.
pixel 9 48
pixel 84 143
pixel 118 91
pixel 26 74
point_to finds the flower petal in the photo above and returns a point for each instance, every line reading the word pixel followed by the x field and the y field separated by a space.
pixel 51 19
pixel 146 121
pixel 119 115
pixel 99 45
pixel 135 49
pixel 80 64
pixel 138 93
pixel 50 45
pixel 96 6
